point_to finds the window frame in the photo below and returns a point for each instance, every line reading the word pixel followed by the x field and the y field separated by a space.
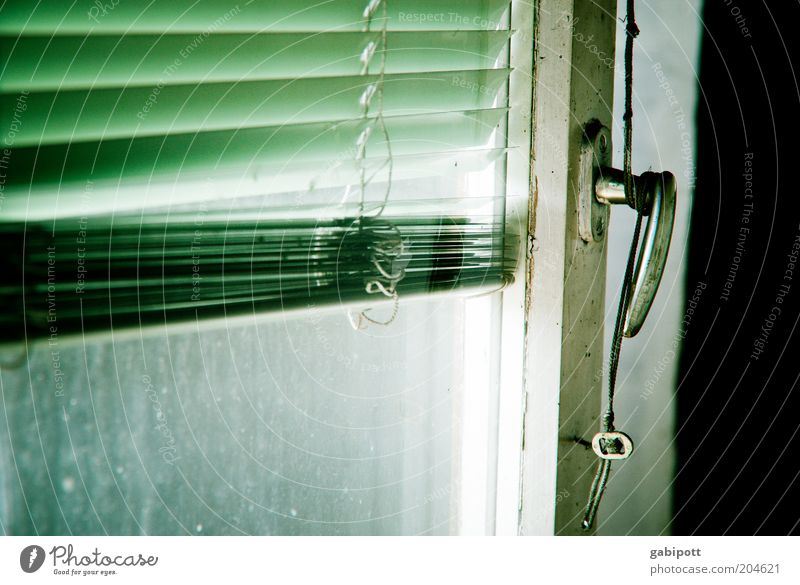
pixel 558 297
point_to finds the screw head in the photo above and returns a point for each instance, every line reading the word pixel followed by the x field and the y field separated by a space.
pixel 599 226
pixel 603 142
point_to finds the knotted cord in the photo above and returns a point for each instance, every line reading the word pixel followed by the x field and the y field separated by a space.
pixel 386 281
pixel 633 197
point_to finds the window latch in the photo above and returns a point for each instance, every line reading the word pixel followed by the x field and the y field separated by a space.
pixel 601 187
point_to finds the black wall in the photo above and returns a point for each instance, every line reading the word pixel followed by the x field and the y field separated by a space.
pixel 738 428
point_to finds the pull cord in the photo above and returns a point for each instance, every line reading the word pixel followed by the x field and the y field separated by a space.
pixel 634 200
pixel 384 257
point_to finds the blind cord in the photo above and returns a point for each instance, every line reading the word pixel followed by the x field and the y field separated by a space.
pixel 634 200
pixel 388 277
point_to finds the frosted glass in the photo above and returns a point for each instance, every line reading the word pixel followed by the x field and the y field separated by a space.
pixel 293 426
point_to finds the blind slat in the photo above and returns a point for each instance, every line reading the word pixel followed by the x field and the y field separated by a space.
pixel 80 116
pixel 304 189
pixel 62 63
pixel 182 156
pixel 119 16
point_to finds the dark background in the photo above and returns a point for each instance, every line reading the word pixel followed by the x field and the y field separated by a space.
pixel 738 417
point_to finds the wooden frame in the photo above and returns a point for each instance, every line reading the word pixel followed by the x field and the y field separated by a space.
pixel 573 85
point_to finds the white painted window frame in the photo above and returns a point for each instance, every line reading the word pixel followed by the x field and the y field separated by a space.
pixel 551 361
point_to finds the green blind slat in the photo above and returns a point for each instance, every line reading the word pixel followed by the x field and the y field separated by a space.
pixel 74 116
pixel 121 16
pixel 186 155
pixel 61 63
pixel 40 202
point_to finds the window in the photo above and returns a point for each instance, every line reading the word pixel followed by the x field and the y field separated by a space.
pixel 273 265
pixel 258 253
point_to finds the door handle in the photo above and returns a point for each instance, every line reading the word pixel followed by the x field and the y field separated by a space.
pixel 601 187
pixel 658 191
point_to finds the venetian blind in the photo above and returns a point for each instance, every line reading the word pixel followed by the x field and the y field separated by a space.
pixel 179 159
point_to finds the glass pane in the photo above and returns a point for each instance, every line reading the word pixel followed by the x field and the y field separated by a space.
pixel 298 425
pixel 292 422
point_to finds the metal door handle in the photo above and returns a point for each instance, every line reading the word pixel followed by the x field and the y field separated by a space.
pixel 602 186
pixel 660 193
